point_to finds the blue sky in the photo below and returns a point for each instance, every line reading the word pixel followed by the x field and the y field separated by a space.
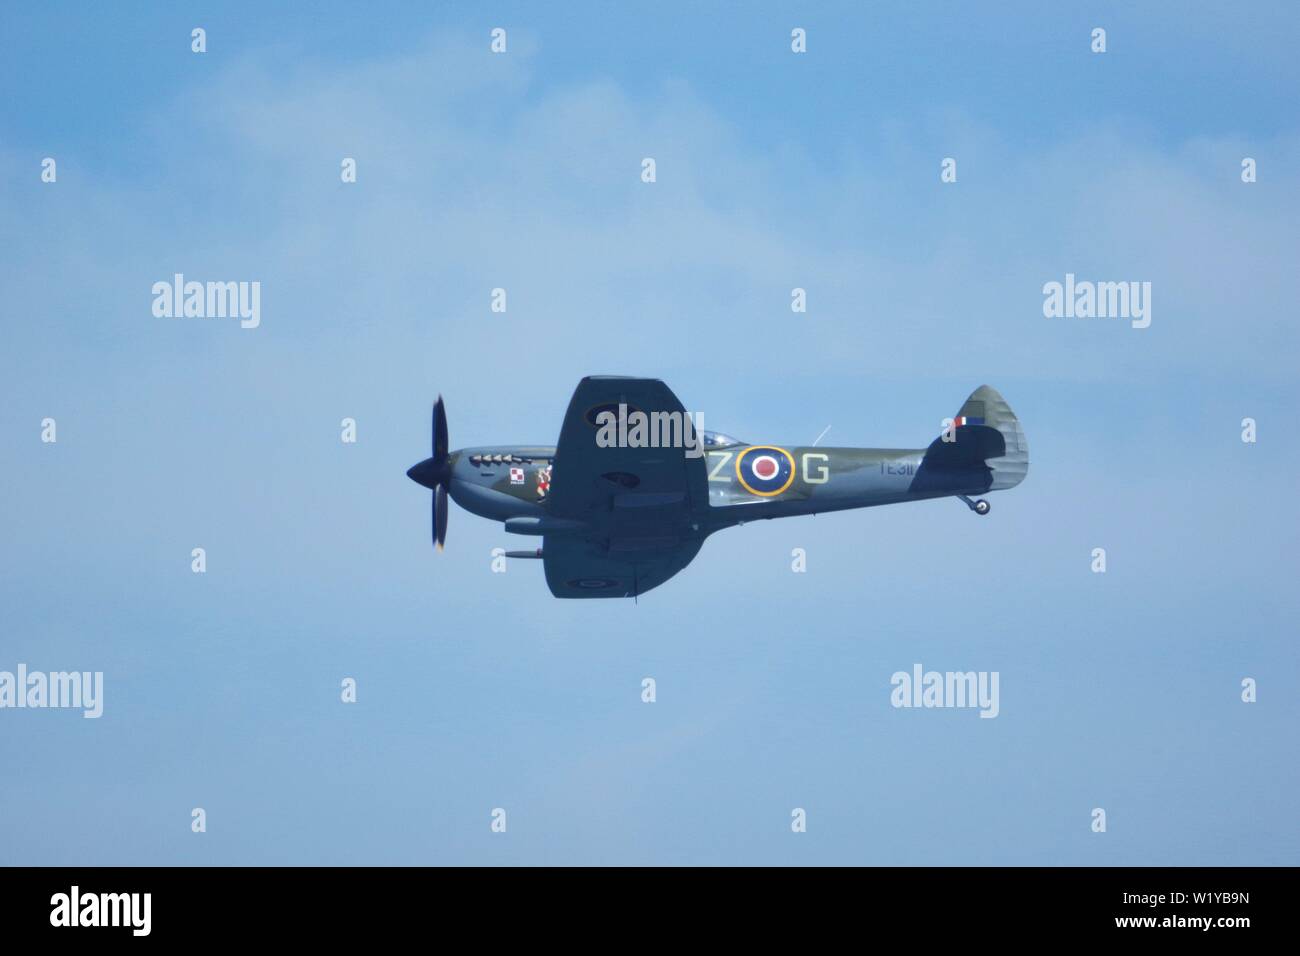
pixel 479 690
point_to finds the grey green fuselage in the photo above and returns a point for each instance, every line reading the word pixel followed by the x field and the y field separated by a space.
pixel 823 479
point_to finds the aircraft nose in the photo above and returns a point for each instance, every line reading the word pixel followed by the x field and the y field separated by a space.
pixel 424 474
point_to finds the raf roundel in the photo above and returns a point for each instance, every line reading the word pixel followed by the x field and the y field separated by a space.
pixel 765 470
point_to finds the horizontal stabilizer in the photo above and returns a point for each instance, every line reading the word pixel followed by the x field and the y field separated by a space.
pixel 970 444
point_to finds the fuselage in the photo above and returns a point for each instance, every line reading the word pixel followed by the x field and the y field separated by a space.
pixel 745 482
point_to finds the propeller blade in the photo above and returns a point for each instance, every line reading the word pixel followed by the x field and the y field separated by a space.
pixel 440 517
pixel 439 432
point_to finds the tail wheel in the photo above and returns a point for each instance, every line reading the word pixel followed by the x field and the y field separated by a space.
pixel 982 507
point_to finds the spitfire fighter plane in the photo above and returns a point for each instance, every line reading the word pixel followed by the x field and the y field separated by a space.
pixel 618 518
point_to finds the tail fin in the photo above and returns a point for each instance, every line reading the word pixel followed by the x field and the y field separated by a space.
pixel 986 407
pixel 984 451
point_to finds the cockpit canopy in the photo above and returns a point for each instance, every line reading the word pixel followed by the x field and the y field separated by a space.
pixel 719 440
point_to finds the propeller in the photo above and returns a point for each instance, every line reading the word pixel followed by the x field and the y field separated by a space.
pixel 434 473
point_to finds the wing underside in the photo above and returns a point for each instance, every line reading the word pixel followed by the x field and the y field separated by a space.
pixel 587 567
pixel 637 505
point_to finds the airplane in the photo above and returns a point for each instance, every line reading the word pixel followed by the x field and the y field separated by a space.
pixel 617 520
